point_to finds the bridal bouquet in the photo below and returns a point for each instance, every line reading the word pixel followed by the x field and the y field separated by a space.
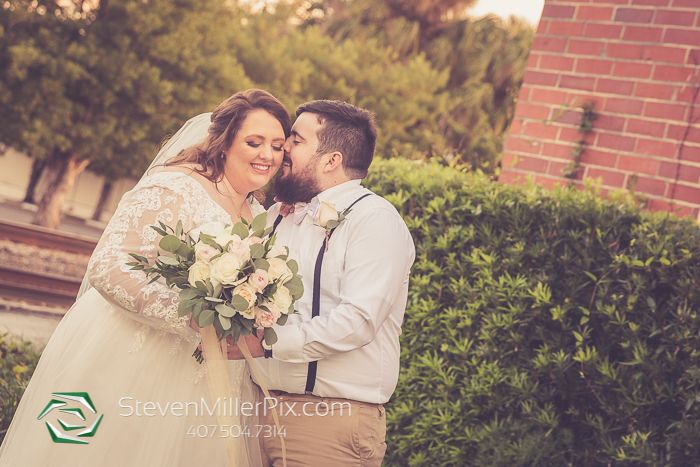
pixel 232 277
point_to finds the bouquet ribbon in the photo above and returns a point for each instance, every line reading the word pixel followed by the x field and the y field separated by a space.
pixel 216 357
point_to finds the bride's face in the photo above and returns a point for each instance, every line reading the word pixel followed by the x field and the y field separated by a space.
pixel 256 152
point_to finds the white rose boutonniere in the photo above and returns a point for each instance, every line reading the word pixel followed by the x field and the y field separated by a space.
pixel 329 218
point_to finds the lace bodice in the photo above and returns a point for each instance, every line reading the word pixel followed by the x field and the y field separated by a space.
pixel 166 197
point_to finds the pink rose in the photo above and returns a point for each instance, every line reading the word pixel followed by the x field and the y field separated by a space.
pixel 239 248
pixel 253 240
pixel 265 319
pixel 259 280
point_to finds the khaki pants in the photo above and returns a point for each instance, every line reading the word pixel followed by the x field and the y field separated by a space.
pixel 323 432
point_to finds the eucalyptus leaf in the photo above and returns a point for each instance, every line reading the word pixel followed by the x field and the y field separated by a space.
pixel 270 336
pixel 240 230
pixel 226 311
pixel 282 319
pixel 239 303
pixel 169 260
pixel 184 308
pixel 257 250
pixel 225 322
pixel 178 228
pixel 170 243
pixel 293 266
pixel 259 221
pixel 261 264
pixel 206 318
pixel 189 294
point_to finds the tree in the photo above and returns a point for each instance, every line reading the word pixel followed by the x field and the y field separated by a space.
pixel 101 85
pixel 485 60
pixel 302 64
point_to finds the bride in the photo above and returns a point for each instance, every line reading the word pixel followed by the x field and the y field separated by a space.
pixel 119 369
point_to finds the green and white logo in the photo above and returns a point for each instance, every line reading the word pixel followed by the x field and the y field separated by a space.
pixel 59 436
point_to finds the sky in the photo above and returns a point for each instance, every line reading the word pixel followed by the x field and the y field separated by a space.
pixel 528 9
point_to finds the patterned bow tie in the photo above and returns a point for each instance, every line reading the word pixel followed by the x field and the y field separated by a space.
pixel 302 209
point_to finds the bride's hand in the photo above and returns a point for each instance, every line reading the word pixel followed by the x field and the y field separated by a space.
pixel 285 209
pixel 254 345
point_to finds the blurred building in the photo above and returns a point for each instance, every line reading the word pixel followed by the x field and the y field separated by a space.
pixel 81 202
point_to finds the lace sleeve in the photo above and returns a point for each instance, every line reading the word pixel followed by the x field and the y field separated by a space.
pixel 167 198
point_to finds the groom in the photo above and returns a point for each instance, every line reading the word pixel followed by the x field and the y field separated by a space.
pixel 337 358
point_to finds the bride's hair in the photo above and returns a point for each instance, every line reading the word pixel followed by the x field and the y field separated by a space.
pixel 226 120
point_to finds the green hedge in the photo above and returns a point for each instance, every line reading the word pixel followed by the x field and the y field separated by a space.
pixel 544 328
pixel 17 362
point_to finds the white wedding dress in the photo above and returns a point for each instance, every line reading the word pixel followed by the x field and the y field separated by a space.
pixel 124 345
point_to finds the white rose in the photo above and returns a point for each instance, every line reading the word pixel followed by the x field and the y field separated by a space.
pixel 248 293
pixel 326 212
pixel 204 252
pixel 277 250
pixel 225 269
pixel 283 299
pixel 223 238
pixel 279 270
pixel 199 271
pixel 239 248
pixel 211 228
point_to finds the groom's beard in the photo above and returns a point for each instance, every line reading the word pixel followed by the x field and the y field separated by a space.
pixel 298 188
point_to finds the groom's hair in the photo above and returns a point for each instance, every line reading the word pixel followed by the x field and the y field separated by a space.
pixel 347 129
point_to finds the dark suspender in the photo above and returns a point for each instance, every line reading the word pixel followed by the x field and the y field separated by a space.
pixel 316 304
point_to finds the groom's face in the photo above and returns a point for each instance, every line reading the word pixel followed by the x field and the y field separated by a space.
pixel 298 181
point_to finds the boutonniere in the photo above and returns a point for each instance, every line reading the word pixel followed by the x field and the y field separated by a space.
pixel 329 218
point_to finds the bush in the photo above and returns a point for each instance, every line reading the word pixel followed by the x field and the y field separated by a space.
pixel 543 328
pixel 18 360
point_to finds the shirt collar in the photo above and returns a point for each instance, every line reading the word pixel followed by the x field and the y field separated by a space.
pixel 338 193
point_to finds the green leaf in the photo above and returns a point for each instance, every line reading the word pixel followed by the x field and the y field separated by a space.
pixel 296 287
pixel 206 318
pixel 270 336
pixel 261 264
pixel 239 303
pixel 184 307
pixel 282 319
pixel 591 276
pixel 225 322
pixel 240 230
pixel 138 257
pixel 259 222
pixel 293 266
pixel 189 294
pixel 226 311
pixel 257 250
pixel 170 243
pixel 332 224
pixel 184 250
pixel 236 333
pixel 169 260
pixel 178 228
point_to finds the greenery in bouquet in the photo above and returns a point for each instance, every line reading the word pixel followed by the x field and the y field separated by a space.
pixel 235 278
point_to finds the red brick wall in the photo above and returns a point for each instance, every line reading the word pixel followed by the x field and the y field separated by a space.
pixel 639 61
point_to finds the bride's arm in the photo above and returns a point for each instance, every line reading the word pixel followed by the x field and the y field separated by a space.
pixel 129 231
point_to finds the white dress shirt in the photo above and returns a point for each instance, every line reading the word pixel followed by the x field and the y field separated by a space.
pixel 364 288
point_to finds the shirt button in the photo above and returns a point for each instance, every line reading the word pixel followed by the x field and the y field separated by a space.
pixel 296 250
pixel 276 383
pixel 286 359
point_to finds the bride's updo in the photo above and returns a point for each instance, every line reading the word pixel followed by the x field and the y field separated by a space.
pixel 205 158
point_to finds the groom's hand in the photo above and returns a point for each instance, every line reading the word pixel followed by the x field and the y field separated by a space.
pixel 254 345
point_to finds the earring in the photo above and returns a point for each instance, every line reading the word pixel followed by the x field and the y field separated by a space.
pixel 223 155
